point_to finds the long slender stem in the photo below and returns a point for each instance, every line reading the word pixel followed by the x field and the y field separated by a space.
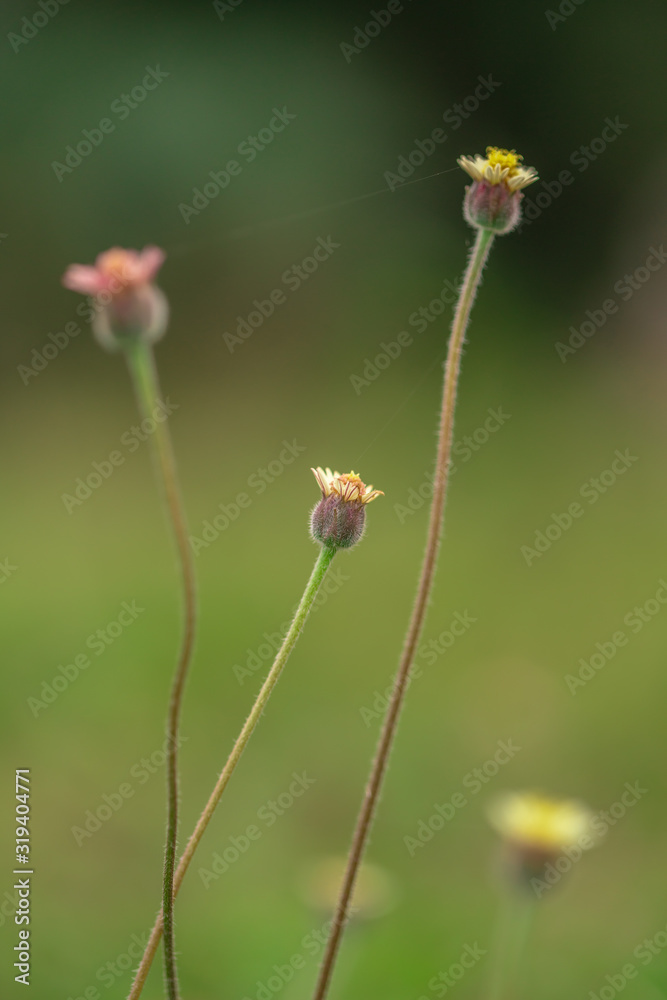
pixel 365 819
pixel 317 576
pixel 144 375
pixel 512 928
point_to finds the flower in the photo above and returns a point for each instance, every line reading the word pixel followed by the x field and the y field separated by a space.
pixel 493 200
pixel 115 271
pixel 126 302
pixel 348 486
pixel 375 890
pixel 499 166
pixel 339 518
pixel 543 835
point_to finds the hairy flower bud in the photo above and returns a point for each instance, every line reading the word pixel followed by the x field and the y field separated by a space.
pixel 493 200
pixel 339 518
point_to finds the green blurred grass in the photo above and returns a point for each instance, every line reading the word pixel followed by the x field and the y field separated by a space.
pixel 503 679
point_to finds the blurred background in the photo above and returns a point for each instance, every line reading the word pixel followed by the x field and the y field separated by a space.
pixel 344 172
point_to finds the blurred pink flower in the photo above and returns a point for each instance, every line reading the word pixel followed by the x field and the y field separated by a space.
pixel 115 271
pixel 126 304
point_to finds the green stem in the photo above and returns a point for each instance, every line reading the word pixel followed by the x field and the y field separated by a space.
pixel 147 388
pixel 362 830
pixel 512 928
pixel 317 576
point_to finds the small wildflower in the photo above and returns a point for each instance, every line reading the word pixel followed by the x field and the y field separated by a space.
pixel 375 890
pixel 126 302
pixel 338 519
pixel 493 200
pixel 539 830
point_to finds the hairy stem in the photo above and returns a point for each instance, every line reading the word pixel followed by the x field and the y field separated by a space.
pixel 365 819
pixel 144 376
pixel 317 576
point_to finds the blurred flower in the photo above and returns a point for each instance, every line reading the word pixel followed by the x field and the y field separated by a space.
pixel 126 302
pixel 375 892
pixel 493 201
pixel 538 831
pixel 339 518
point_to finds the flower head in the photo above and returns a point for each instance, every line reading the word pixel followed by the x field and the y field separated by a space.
pixel 126 302
pixel 542 835
pixel 339 518
pixel 493 200
pixel 348 486
pixel 499 166
pixel 115 271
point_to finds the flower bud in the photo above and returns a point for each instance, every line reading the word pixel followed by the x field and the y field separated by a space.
pixel 339 518
pixel 493 200
pixel 127 305
pixel 541 835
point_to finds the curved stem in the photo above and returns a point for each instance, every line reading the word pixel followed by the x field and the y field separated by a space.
pixel 364 821
pixel 317 576
pixel 147 387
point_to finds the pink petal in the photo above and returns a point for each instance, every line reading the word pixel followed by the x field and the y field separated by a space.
pixel 84 279
pixel 150 261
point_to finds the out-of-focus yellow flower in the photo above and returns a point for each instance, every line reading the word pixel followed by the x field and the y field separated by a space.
pixel 374 892
pixel 543 837
pixel 539 822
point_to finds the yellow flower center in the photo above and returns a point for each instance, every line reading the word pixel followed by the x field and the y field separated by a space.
pixel 350 477
pixel 504 158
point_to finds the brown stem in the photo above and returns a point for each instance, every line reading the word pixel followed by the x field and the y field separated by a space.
pixel 365 819
pixel 144 374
